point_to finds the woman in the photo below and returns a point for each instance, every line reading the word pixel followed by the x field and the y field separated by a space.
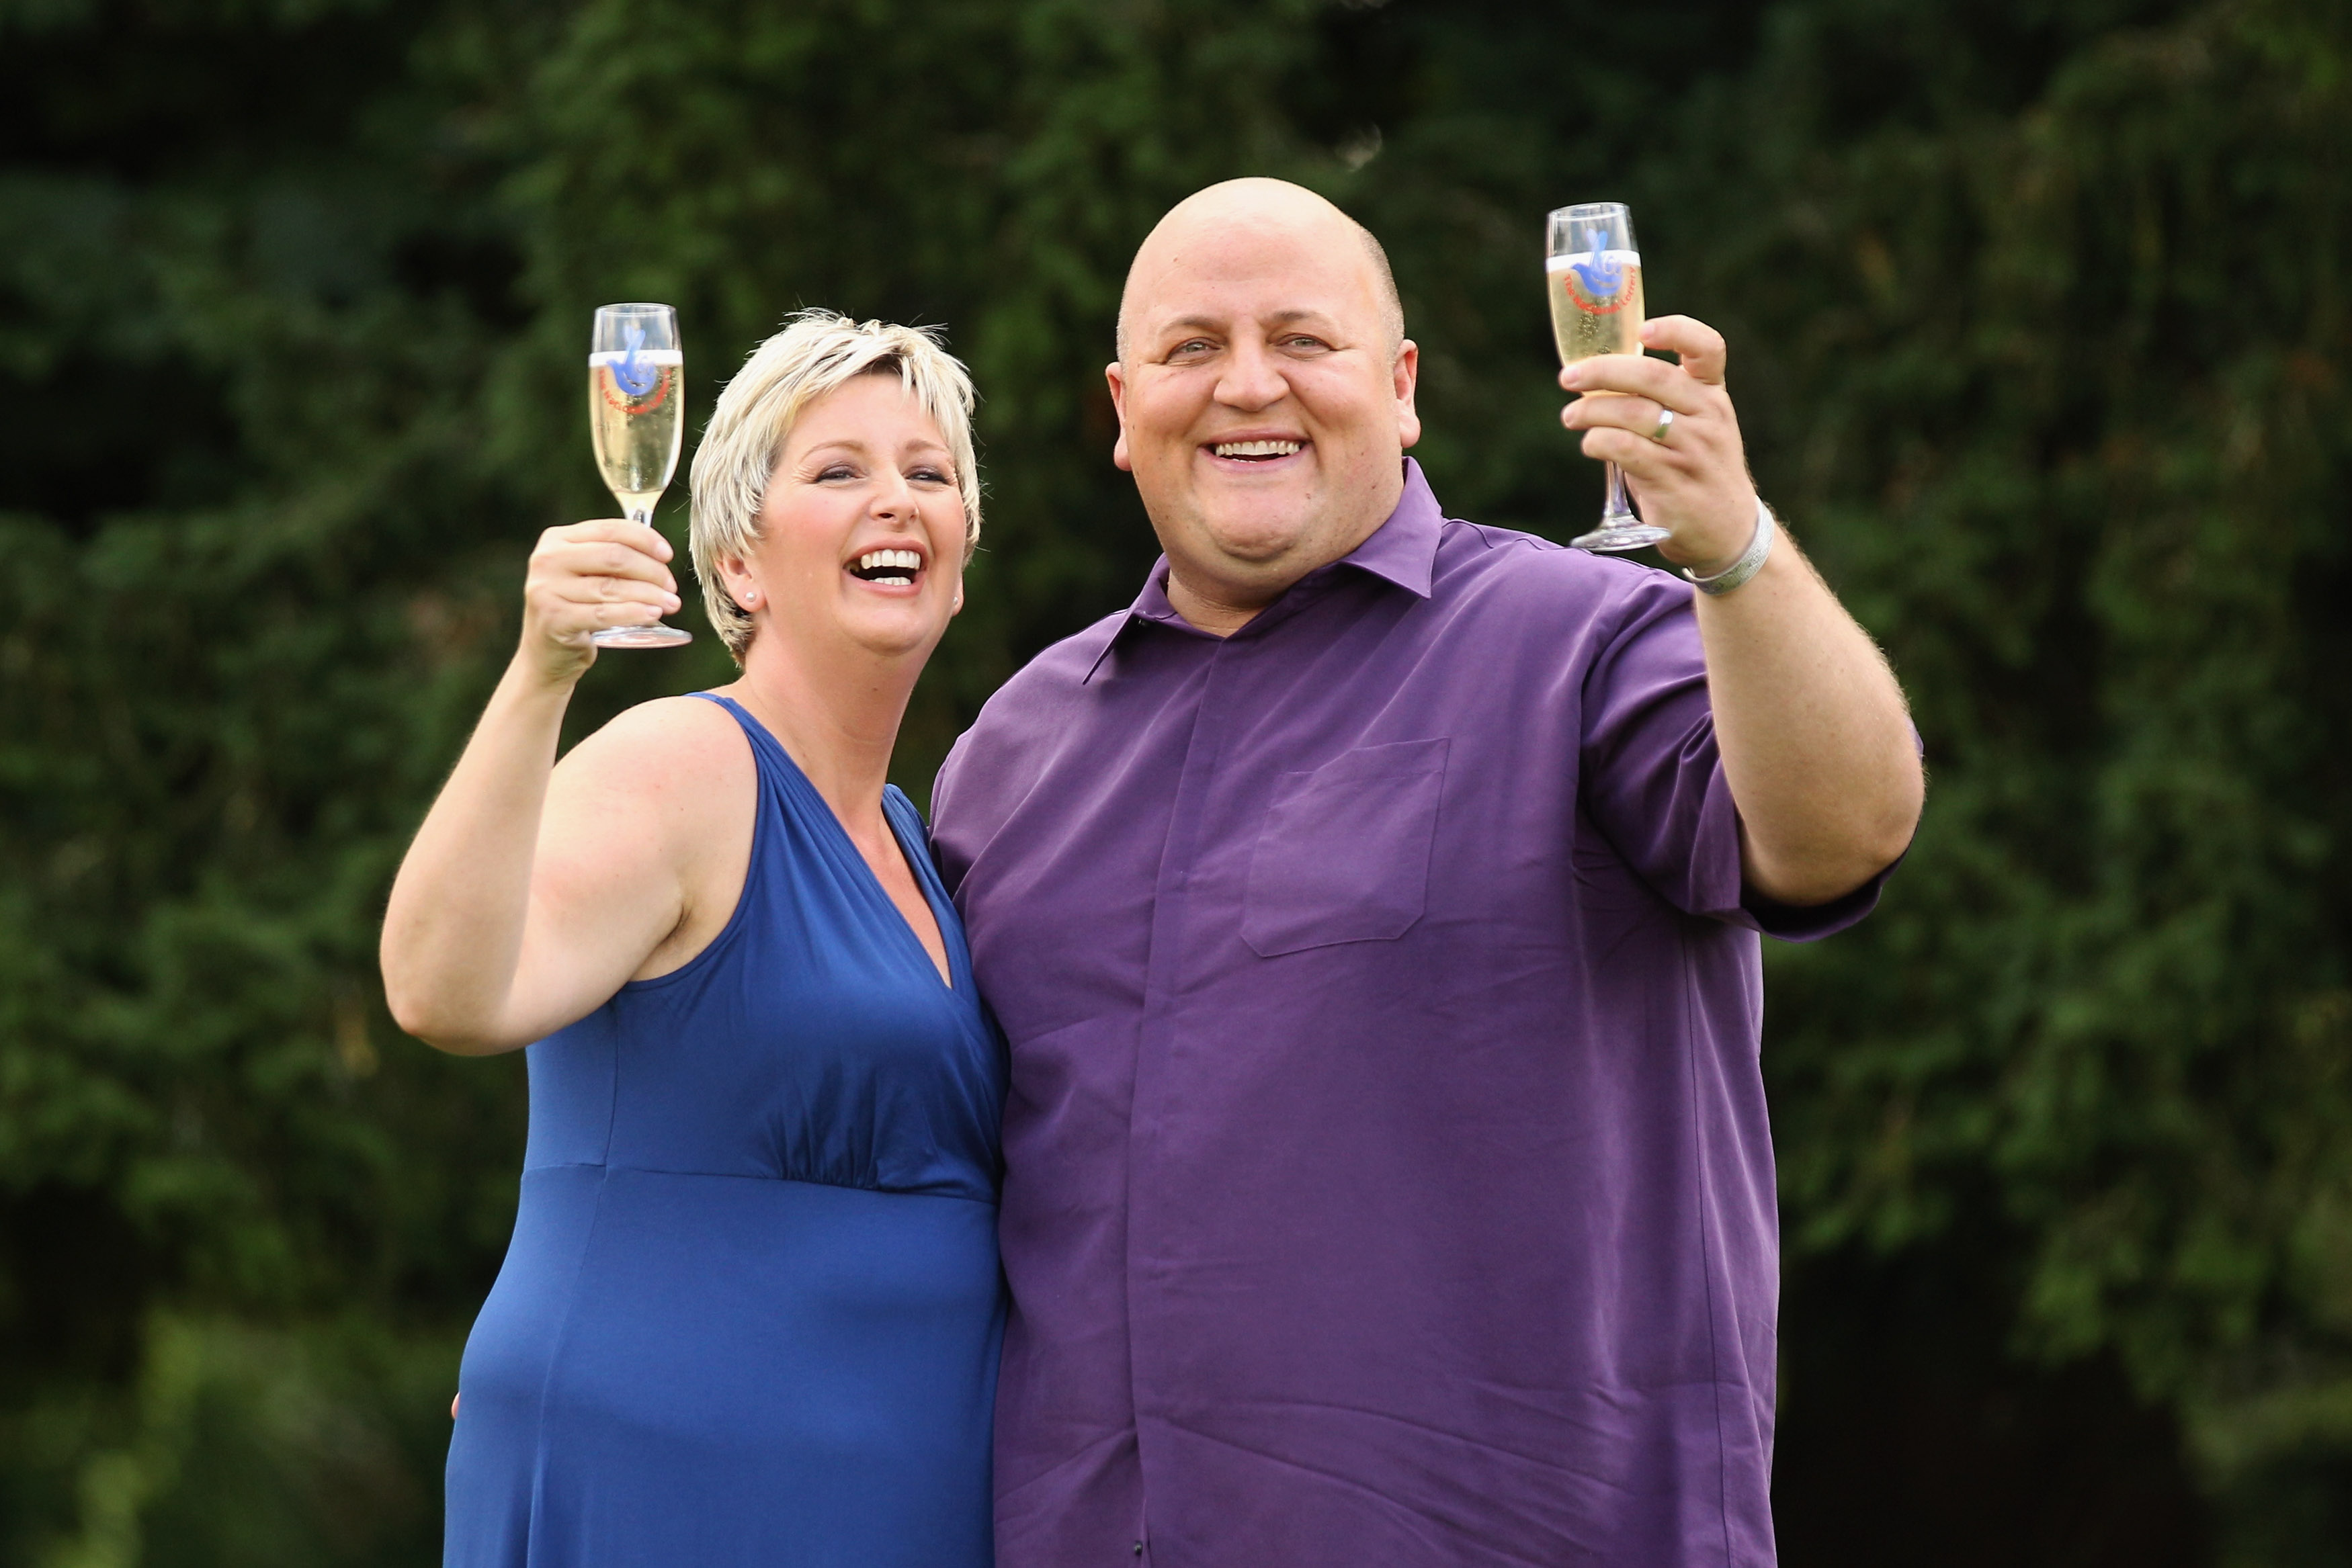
pixel 750 1311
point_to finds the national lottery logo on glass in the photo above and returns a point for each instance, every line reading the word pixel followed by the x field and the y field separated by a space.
pixel 637 414
pixel 1599 281
pixel 1594 274
pixel 634 381
pixel 1596 290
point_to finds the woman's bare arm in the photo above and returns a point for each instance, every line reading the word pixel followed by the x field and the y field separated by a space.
pixel 532 893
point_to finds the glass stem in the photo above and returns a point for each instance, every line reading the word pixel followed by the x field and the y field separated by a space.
pixel 1615 508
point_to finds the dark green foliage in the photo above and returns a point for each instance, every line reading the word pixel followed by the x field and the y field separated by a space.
pixel 2080 441
pixel 2039 323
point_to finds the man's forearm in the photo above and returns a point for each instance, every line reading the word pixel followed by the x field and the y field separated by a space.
pixel 1815 739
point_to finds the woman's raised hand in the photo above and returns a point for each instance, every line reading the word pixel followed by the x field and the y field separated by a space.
pixel 587 577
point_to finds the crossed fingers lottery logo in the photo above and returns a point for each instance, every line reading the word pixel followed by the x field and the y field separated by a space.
pixel 1597 280
pixel 634 381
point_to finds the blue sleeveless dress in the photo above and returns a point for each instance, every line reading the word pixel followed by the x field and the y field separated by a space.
pixel 751 1313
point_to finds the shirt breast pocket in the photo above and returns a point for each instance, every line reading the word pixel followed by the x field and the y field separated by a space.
pixel 1344 853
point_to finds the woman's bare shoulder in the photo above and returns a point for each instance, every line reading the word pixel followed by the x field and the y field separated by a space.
pixel 675 755
pixel 686 721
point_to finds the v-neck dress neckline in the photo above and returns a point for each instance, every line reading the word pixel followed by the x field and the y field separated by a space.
pixel 899 816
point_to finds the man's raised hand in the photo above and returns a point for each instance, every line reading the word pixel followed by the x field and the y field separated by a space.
pixel 1692 481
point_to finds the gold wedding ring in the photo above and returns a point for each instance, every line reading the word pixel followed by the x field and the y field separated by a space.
pixel 1666 423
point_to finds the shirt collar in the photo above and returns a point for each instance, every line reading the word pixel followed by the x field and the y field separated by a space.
pixel 1402 550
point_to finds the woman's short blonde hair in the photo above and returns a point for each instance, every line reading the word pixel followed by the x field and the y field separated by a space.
pixel 817 352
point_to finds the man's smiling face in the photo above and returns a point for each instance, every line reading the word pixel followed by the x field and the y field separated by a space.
pixel 1264 398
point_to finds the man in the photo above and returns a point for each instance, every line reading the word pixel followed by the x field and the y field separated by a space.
pixel 1371 911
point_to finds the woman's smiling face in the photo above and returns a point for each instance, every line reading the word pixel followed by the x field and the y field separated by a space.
pixel 862 528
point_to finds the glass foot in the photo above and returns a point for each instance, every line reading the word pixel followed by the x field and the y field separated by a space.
pixel 654 636
pixel 1624 532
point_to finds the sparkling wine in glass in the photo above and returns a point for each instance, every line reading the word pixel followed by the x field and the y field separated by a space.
pixel 637 412
pixel 1594 273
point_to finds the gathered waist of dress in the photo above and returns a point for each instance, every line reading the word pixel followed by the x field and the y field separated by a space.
pixel 963 1188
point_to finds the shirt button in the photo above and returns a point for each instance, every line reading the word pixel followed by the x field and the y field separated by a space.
pixel 1139 1549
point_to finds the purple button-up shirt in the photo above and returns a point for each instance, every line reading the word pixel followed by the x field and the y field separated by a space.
pixel 1387 1181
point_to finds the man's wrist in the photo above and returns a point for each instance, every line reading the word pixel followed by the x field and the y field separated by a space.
pixel 1744 566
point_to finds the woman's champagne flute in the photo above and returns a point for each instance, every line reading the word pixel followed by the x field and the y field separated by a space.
pixel 1594 271
pixel 637 412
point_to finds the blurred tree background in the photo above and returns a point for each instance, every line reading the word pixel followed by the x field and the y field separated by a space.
pixel 2040 328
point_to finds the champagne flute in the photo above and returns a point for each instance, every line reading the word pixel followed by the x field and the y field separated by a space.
pixel 1595 277
pixel 637 412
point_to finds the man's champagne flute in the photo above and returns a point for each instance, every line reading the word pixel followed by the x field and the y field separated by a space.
pixel 636 411
pixel 1594 272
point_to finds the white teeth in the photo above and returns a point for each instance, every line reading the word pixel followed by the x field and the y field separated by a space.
pixel 1255 448
pixel 875 558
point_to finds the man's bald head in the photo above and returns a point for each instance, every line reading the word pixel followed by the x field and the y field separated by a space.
pixel 1278 207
